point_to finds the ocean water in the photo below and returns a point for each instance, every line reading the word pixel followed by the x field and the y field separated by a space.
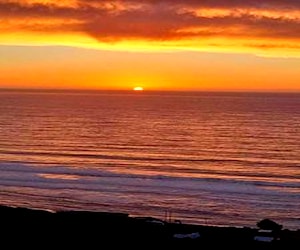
pixel 210 158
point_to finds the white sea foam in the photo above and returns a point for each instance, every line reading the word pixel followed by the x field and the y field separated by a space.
pixel 97 179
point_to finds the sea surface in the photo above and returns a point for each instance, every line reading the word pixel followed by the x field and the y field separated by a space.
pixel 210 158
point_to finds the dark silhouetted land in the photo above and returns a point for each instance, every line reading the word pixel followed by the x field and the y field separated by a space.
pixel 93 230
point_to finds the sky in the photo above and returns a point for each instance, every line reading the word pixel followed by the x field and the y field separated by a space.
pixel 159 45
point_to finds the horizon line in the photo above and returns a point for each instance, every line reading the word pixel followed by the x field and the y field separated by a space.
pixel 28 89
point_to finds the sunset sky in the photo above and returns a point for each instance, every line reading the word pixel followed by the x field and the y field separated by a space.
pixel 159 45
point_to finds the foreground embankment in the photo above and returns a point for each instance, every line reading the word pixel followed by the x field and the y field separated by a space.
pixel 98 230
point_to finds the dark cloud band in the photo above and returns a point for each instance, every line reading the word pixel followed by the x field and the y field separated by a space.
pixel 167 20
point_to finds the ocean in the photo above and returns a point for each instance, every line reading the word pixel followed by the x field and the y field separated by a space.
pixel 226 159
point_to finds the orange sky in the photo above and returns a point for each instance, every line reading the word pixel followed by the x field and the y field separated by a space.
pixel 161 45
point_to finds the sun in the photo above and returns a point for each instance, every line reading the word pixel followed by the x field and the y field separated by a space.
pixel 138 88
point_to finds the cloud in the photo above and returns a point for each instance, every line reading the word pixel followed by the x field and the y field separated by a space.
pixel 225 4
pixel 159 21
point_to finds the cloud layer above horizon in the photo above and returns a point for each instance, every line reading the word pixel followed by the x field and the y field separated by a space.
pixel 271 26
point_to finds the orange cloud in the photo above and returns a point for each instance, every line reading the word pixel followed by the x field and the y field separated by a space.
pixel 200 25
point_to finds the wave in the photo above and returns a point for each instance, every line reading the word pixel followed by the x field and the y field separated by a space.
pixel 144 170
pixel 215 201
pixel 155 158
pixel 97 179
pixel 192 199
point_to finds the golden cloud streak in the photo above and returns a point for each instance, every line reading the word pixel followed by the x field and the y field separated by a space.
pixel 239 13
pixel 36 24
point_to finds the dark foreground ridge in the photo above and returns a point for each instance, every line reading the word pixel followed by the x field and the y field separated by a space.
pixel 96 230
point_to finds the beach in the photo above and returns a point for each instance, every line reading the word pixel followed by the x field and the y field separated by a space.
pixel 97 229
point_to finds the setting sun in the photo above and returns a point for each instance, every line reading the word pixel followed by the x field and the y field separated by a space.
pixel 138 89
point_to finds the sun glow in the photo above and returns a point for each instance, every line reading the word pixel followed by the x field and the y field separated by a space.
pixel 138 89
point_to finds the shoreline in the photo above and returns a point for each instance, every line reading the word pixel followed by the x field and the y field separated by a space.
pixel 73 228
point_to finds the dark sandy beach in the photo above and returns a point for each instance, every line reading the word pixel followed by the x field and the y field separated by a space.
pixel 26 227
